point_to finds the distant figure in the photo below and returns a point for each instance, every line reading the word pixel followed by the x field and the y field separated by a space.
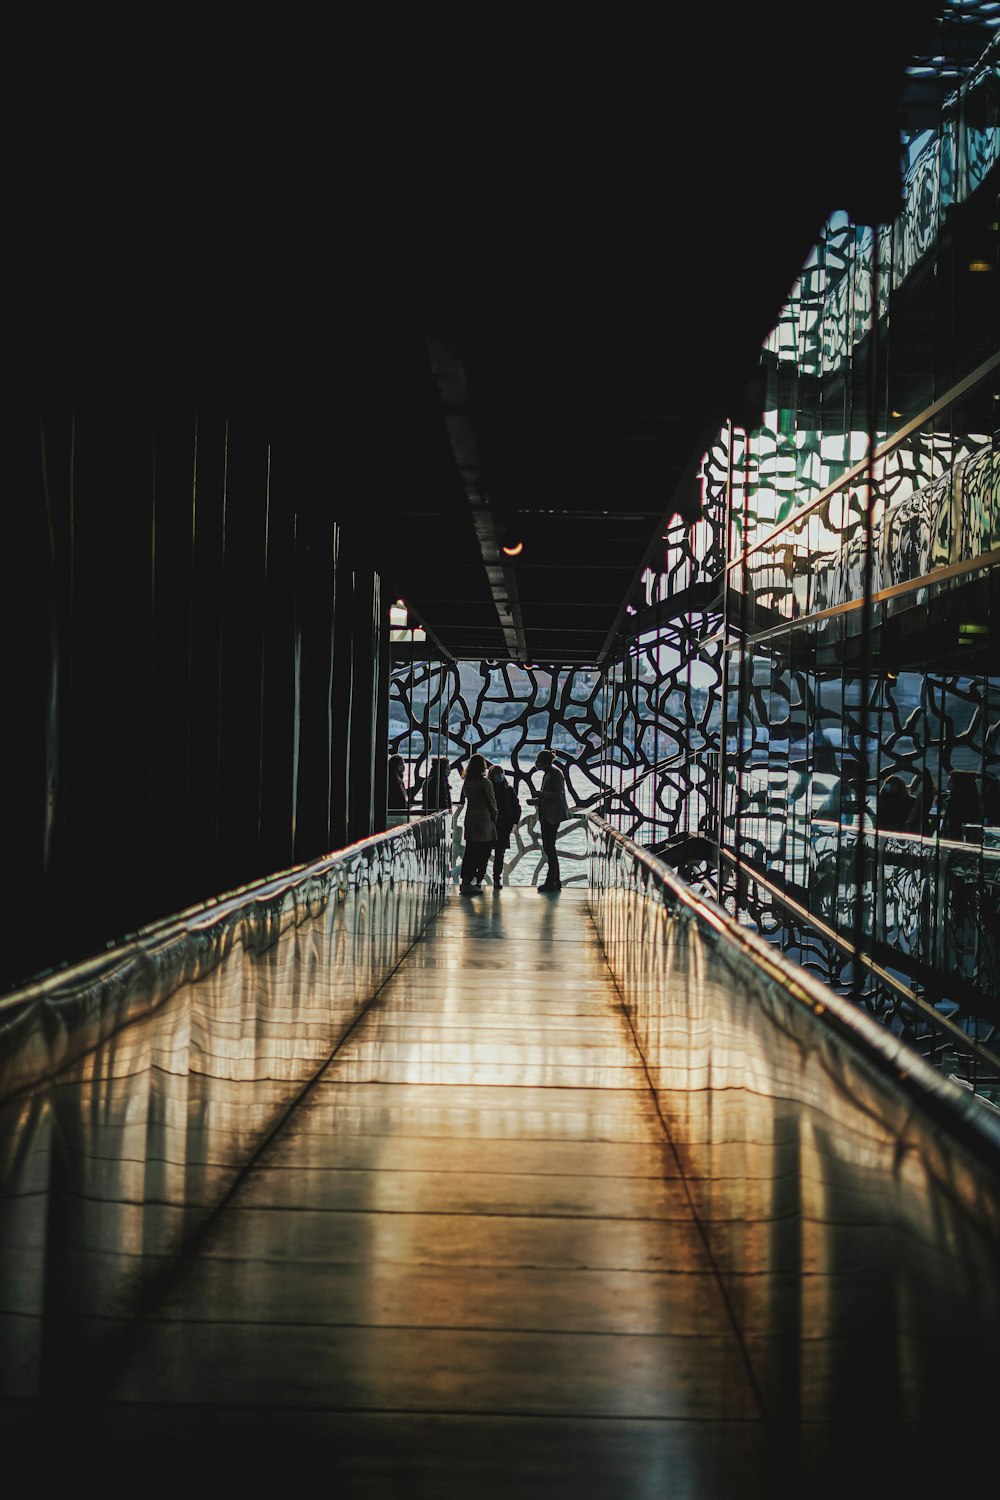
pixel 437 791
pixel 923 803
pixel 895 806
pixel 480 804
pixel 991 802
pixel 960 804
pixel 552 810
pixel 842 799
pixel 508 817
pixel 398 801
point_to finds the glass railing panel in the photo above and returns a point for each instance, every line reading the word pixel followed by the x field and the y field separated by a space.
pixel 848 1193
pixel 135 1088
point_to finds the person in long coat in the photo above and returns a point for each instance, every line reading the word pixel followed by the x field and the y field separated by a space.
pixel 552 810
pixel 437 792
pixel 508 817
pixel 480 804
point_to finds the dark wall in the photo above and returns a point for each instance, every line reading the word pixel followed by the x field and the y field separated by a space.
pixel 192 671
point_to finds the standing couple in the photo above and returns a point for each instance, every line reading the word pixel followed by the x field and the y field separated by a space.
pixel 491 813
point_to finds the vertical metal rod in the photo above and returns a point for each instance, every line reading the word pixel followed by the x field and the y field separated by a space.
pixel 868 487
pixel 728 545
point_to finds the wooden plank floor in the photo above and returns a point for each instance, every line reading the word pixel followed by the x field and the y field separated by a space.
pixel 468 1265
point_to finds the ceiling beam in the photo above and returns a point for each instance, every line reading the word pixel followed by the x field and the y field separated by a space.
pixel 449 373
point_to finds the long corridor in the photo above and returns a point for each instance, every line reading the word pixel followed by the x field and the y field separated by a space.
pixel 468 1265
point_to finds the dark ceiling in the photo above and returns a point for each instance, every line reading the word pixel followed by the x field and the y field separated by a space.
pixel 503 275
pixel 609 225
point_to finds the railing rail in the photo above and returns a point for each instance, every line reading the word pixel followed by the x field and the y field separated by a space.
pixel 848 1194
pixel 895 1061
pixel 55 1019
pixel 137 1087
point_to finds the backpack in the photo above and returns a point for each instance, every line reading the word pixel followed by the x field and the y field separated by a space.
pixel 508 805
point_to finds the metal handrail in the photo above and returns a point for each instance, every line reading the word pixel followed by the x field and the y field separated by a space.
pixel 201 915
pixel 900 1064
pixel 83 1000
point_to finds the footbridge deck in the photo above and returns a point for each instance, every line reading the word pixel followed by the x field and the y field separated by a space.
pixel 523 1232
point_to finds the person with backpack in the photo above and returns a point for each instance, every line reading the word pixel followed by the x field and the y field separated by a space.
pixel 508 817
pixel 480 825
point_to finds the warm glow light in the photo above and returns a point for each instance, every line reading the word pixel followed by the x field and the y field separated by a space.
pixel 514 551
pixel 980 265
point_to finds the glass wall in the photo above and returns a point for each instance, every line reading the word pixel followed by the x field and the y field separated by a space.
pixel 851 544
pixel 804 712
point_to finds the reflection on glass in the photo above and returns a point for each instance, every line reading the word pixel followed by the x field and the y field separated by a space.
pixel 850 1196
pixel 135 1088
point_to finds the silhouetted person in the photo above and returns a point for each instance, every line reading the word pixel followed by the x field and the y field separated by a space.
pixel 923 803
pixel 895 806
pixel 960 804
pixel 552 810
pixel 842 798
pixel 397 784
pixel 480 804
pixel 437 791
pixel 508 817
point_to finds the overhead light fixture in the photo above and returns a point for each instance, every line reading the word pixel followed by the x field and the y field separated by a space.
pixel 980 265
pixel 514 551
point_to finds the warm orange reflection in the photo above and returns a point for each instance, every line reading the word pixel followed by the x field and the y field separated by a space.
pixel 857 1235
pixel 148 1081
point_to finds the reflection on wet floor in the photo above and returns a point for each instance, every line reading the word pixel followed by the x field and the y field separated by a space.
pixel 495 1250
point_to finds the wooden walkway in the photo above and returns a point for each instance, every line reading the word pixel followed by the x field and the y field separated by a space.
pixel 468 1266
